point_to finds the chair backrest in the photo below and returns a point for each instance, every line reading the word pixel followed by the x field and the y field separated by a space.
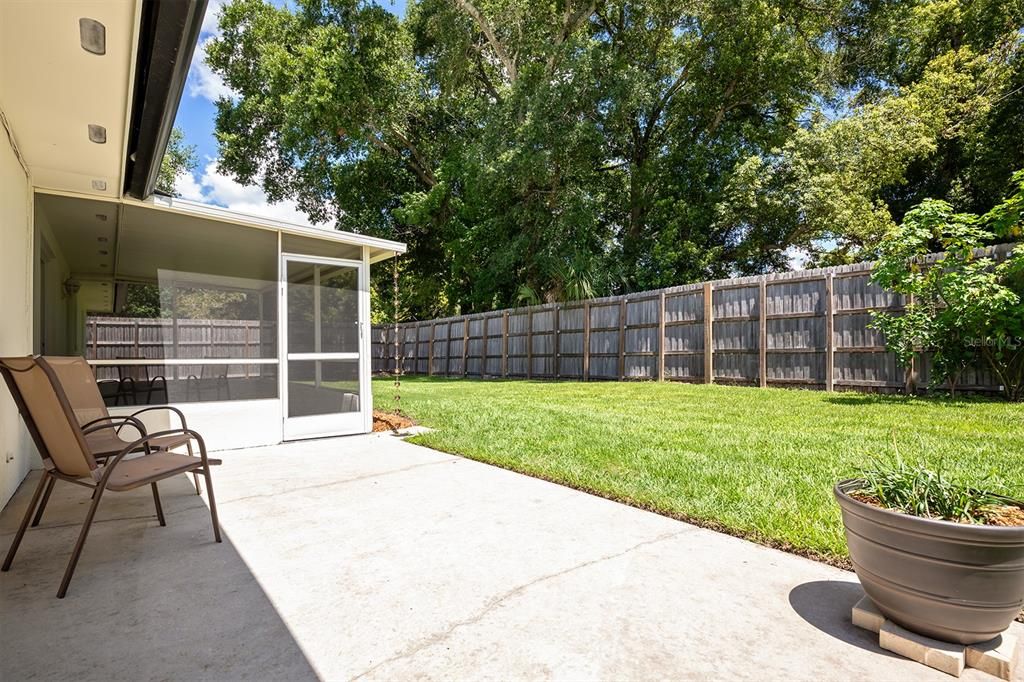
pixel 76 377
pixel 133 372
pixel 48 416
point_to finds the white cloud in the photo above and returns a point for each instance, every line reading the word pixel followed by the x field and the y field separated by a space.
pixel 186 186
pixel 213 187
pixel 211 17
pixel 202 81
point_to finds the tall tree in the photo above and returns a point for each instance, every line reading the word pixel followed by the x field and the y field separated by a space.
pixel 928 103
pixel 540 150
pixel 557 148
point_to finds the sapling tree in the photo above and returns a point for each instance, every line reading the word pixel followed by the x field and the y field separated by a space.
pixel 966 307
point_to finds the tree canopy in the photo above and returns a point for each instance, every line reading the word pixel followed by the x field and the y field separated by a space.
pixel 554 150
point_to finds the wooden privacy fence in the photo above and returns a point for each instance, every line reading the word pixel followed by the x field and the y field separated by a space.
pixel 113 338
pixel 804 328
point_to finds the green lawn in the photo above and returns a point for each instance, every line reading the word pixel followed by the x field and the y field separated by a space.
pixel 756 462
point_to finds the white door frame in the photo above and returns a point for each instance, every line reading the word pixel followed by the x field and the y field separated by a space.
pixel 337 424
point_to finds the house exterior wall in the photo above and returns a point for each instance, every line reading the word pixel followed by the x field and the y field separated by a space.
pixel 16 272
pixel 51 305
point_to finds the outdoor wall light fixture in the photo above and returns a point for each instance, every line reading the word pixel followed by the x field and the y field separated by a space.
pixel 99 185
pixel 71 286
pixel 97 134
pixel 93 35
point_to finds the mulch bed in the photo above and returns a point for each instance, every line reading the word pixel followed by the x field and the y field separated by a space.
pixel 390 421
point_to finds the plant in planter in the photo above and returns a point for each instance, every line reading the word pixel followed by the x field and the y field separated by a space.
pixel 936 556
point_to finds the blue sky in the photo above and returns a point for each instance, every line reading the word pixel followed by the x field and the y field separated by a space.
pixel 195 117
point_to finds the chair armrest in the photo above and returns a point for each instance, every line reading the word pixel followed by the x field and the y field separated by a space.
pixel 181 415
pixel 144 441
pixel 98 425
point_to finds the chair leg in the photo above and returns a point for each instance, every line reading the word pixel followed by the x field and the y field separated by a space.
pixel 156 503
pixel 195 476
pixel 24 522
pixel 42 504
pixel 213 502
pixel 73 561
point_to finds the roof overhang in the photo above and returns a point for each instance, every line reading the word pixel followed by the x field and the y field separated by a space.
pixel 168 33
pixel 53 88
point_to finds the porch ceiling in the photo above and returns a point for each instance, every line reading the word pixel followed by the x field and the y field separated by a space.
pixel 124 239
pixel 83 229
pixel 150 240
pixel 51 89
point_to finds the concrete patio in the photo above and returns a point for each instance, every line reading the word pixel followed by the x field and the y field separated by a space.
pixel 370 558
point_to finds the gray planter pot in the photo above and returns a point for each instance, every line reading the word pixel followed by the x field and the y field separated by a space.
pixel 951 581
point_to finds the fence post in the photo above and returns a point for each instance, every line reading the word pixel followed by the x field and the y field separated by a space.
pixel 622 338
pixel 555 332
pixel 430 351
pixel 175 341
pixel 586 341
pixel 829 335
pixel 419 325
pixel 504 344
pixel 465 345
pixel 448 352
pixel 762 323
pixel 483 350
pixel 661 335
pixel 709 320
pixel 529 343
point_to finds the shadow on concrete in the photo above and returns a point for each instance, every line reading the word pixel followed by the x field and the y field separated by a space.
pixel 147 602
pixel 826 604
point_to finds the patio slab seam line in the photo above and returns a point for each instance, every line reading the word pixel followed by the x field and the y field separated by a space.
pixel 345 481
pixel 495 602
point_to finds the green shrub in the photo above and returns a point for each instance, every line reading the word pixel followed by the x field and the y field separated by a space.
pixel 966 309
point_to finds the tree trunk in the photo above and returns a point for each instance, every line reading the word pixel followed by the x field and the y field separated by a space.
pixel 637 205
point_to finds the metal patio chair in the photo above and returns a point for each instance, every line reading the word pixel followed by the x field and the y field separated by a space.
pixel 134 381
pixel 79 382
pixel 61 442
